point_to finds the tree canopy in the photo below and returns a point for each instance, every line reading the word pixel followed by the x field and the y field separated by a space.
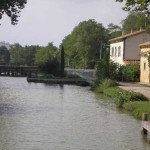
pixel 134 21
pixel 82 46
pixel 4 56
pixel 12 9
pixel 45 54
pixel 136 5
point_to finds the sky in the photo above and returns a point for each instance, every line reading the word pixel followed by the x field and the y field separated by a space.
pixel 44 21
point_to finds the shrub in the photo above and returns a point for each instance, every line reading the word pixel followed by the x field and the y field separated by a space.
pixel 131 72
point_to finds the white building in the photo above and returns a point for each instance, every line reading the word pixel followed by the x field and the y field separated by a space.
pixel 125 49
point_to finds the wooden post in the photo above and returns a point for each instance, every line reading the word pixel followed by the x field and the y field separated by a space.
pixel 144 118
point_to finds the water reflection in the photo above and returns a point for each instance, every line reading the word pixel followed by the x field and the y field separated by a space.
pixel 41 117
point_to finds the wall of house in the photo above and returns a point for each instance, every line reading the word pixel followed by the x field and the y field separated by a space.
pixel 115 55
pixel 144 68
pixel 132 50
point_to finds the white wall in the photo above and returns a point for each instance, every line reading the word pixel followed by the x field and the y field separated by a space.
pixel 116 58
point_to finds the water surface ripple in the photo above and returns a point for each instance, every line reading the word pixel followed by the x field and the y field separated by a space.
pixel 35 116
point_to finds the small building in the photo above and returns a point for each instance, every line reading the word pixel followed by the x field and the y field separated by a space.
pixel 144 67
pixel 125 49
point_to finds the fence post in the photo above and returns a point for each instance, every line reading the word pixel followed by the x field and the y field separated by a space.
pixel 144 118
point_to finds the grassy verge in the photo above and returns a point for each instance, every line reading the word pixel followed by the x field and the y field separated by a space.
pixel 137 108
pixel 133 102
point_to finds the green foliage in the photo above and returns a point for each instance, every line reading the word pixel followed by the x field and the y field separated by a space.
pixel 122 96
pixel 137 108
pixel 146 55
pixel 12 9
pixel 106 69
pixel 46 59
pixel 4 56
pixel 135 21
pixel 52 67
pixel 130 72
pixel 82 46
pixel 20 55
pixel 136 5
pixel 44 54
pixel 114 31
pixel 107 83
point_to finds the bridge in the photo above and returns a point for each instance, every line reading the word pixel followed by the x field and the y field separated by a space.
pixel 87 74
pixel 8 70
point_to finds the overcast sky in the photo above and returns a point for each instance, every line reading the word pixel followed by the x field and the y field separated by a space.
pixel 44 21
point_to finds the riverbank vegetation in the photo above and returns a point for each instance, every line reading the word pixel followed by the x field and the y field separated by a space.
pixel 133 102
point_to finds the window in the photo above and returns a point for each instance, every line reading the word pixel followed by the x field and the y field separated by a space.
pixel 119 51
pixel 144 66
pixel 112 52
pixel 115 51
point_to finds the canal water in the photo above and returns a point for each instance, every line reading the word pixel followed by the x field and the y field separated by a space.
pixel 35 116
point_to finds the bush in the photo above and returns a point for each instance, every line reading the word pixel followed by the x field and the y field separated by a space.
pixel 130 72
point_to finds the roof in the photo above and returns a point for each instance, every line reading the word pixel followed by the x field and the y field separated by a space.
pixel 128 35
pixel 145 45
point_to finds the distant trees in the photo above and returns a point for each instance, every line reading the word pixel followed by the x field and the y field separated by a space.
pixel 134 21
pixel 4 56
pixel 12 9
pixel 82 46
pixel 20 55
pixel 114 30
pixel 46 58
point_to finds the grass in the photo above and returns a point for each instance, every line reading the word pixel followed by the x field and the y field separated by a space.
pixel 137 108
pixel 135 103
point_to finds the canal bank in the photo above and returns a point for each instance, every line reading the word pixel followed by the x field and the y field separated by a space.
pixel 80 82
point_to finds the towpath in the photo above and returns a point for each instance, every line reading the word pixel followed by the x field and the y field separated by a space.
pixel 136 87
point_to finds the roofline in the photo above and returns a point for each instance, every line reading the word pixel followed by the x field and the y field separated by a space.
pixel 145 45
pixel 123 37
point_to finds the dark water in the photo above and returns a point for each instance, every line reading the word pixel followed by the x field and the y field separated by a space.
pixel 51 117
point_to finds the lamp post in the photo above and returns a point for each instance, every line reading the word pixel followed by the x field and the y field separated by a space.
pixel 100 51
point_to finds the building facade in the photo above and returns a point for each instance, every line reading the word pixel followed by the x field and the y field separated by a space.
pixel 144 65
pixel 125 49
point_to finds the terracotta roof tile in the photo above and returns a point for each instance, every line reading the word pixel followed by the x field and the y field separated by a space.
pixel 145 45
pixel 128 35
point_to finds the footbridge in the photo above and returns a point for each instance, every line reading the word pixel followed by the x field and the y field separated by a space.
pixel 87 74
pixel 8 70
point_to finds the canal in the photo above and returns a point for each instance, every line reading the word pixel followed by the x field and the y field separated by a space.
pixel 35 116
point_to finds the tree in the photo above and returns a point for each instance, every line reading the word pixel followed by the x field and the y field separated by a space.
pixel 134 21
pixel 62 62
pixel 12 9
pixel 114 30
pixel 17 55
pixel 45 54
pixel 4 55
pixel 82 46
pixel 136 5
pixel 46 59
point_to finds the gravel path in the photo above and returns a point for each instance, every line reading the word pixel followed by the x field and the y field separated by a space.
pixel 136 87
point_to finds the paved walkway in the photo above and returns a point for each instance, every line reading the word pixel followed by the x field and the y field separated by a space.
pixel 136 87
